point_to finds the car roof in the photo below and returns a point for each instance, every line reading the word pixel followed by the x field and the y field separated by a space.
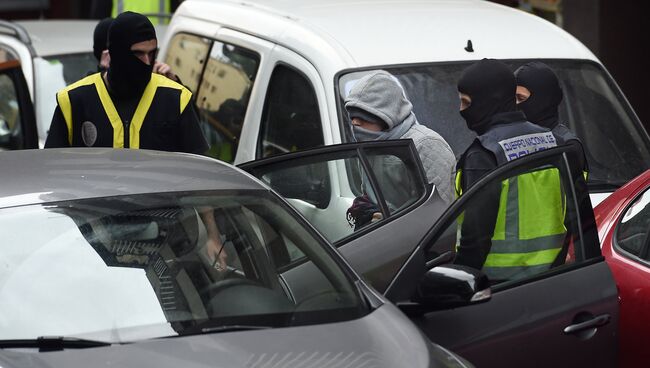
pixel 61 37
pixel 371 32
pixel 51 175
pixel 58 37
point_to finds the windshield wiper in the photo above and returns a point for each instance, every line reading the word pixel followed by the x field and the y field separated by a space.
pixel 52 343
pixel 217 329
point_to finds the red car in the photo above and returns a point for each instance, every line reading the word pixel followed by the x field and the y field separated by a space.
pixel 623 227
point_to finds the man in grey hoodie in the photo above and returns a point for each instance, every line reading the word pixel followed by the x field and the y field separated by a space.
pixel 379 110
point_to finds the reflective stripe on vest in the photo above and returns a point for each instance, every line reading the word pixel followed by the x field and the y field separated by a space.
pixel 139 115
pixel 529 231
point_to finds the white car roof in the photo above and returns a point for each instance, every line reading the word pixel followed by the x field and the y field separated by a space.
pixel 370 32
pixel 59 37
pixel 62 37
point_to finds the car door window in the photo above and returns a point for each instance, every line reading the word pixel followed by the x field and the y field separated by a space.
pixel 290 118
pixel 520 225
pixel 632 231
pixel 223 97
pixel 187 56
pixel 344 190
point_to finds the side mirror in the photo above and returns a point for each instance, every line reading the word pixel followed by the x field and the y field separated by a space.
pixel 451 286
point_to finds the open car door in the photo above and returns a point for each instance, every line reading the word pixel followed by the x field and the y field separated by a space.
pixel 560 315
pixel 402 238
pixel 370 199
pixel 17 121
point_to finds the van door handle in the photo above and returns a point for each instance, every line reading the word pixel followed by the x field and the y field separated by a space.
pixel 592 323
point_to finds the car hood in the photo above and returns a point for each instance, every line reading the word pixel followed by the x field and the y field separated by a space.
pixel 383 338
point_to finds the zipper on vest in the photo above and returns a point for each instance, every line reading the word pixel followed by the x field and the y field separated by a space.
pixel 127 142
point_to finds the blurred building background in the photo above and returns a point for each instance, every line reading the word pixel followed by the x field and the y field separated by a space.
pixel 611 29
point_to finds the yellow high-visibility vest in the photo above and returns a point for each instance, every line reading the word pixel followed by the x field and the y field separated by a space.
pixel 143 7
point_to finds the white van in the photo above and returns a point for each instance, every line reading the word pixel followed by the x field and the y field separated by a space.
pixel 270 76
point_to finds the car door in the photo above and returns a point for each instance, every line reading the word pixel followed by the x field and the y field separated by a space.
pixel 17 121
pixel 566 315
pixel 339 188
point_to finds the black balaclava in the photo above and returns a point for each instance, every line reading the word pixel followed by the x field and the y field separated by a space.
pixel 128 75
pixel 491 86
pixel 541 107
pixel 100 37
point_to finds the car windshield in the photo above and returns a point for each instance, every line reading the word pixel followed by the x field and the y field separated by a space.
pixel 616 146
pixel 127 268
pixel 53 73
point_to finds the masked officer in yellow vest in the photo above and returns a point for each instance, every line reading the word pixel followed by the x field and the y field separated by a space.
pixel 128 106
pixel 514 228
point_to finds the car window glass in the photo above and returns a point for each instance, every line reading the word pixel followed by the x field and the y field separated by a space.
pixel 335 191
pixel 520 225
pixel 137 267
pixel 10 119
pixel 186 56
pixel 632 231
pixel 616 152
pixel 291 118
pixel 223 97
pixel 397 177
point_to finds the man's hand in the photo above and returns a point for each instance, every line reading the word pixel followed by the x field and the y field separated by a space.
pixel 165 70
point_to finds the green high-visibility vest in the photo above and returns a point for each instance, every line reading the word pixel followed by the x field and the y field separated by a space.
pixel 143 7
pixel 529 231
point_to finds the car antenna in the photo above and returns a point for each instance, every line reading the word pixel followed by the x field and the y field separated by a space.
pixel 469 47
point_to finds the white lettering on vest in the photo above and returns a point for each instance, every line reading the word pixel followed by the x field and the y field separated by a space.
pixel 523 145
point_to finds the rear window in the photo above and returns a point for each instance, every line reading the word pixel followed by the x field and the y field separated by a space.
pixel 616 145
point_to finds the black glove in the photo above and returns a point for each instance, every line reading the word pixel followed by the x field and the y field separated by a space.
pixel 361 212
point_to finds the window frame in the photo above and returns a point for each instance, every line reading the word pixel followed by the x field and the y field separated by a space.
pixel 645 250
pixel 256 168
pixel 254 55
pixel 259 146
pixel 406 278
pixel 211 41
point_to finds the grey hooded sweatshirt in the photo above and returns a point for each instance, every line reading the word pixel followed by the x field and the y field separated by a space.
pixel 380 94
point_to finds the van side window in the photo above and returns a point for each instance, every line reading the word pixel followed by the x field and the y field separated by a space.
pixel 291 118
pixel 223 96
pixel 186 56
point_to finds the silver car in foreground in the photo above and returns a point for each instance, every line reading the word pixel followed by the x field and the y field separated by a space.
pixel 109 250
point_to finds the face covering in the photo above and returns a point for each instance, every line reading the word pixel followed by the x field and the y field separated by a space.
pixel 100 37
pixel 541 107
pixel 128 75
pixel 491 86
